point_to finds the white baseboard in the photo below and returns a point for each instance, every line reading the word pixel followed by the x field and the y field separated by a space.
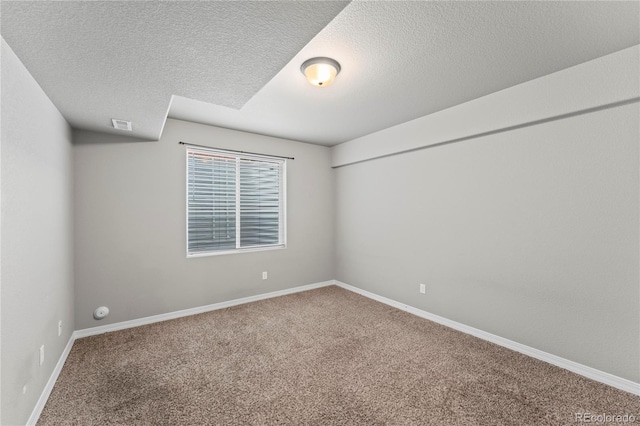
pixel 193 311
pixel 583 370
pixel 44 396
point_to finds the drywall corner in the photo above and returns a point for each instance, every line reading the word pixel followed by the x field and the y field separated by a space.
pixel 37 238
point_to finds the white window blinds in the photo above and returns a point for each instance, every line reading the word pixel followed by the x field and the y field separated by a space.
pixel 234 202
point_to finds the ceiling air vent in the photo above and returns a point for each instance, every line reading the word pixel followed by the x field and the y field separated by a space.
pixel 121 124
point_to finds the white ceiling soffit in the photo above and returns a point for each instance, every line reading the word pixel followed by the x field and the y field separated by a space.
pixel 99 60
pixel 403 60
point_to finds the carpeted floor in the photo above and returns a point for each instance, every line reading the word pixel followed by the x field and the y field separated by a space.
pixel 322 357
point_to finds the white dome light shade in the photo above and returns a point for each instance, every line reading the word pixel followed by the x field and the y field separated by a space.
pixel 320 71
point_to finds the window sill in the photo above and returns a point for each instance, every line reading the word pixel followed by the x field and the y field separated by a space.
pixel 236 251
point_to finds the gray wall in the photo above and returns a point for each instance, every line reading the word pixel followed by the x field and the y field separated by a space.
pixel 130 225
pixel 36 250
pixel 530 234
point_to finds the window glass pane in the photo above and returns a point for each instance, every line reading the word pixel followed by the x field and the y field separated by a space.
pixel 211 202
pixel 259 203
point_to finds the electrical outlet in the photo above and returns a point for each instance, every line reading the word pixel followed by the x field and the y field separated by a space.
pixel 264 275
pixel 423 289
pixel 41 354
pixel 59 328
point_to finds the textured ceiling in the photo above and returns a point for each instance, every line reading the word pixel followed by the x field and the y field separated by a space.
pixel 237 64
pixel 99 60
pixel 403 60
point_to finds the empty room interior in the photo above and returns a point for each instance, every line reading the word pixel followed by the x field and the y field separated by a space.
pixel 320 212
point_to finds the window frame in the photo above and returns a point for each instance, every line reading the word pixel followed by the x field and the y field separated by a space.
pixel 282 193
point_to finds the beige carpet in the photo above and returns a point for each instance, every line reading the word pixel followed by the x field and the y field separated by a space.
pixel 322 357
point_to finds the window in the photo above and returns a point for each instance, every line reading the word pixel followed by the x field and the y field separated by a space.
pixel 235 202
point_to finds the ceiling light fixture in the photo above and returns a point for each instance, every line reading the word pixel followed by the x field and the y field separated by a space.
pixel 320 71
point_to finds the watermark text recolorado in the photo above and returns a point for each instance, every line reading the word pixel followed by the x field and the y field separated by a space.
pixel 603 418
